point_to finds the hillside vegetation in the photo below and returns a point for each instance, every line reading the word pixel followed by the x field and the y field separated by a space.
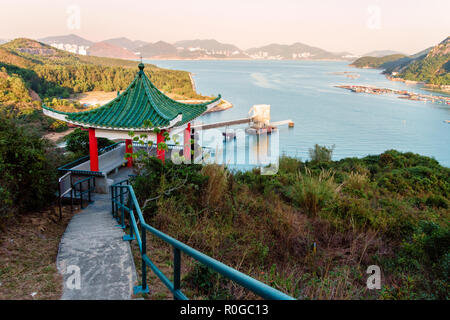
pixel 376 62
pixel 434 68
pixel 431 66
pixel 55 73
pixel 312 229
pixel 31 72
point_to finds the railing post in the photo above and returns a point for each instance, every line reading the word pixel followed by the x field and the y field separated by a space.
pixel 143 288
pixel 144 252
pixel 112 199
pixel 71 200
pixel 130 213
pixel 116 208
pixel 89 190
pixel 176 270
pixel 59 199
pixel 122 224
pixel 81 196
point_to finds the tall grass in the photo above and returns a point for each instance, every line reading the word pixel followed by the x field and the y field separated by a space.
pixel 217 185
pixel 312 193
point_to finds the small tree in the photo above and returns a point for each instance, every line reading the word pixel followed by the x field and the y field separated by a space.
pixel 321 153
pixel 28 172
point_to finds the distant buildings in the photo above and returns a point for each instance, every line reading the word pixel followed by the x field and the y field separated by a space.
pixel 226 53
pixel 71 48
pixel 294 56
pixel 351 56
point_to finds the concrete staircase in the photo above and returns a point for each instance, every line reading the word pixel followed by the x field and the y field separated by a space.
pixel 93 258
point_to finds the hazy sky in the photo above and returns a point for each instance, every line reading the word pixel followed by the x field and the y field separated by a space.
pixel 347 25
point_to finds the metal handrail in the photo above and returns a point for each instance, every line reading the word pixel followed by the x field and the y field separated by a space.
pixel 66 167
pixel 89 189
pixel 61 193
pixel 118 192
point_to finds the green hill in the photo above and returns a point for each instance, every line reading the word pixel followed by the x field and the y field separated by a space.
pixel 55 73
pixel 434 68
pixel 376 62
pixel 431 65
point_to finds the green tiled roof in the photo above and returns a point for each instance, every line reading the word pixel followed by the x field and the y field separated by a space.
pixel 141 101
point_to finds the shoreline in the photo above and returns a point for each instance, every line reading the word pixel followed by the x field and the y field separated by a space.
pixel 235 59
pixel 402 94
pixel 436 87
pixel 429 86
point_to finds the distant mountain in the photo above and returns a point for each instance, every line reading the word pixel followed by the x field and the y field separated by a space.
pixel 3 41
pixel 157 49
pixel 296 51
pixel 67 39
pixel 126 43
pixel 104 49
pixel 71 43
pixel 382 53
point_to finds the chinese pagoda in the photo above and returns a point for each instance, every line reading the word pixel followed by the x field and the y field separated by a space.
pixel 130 111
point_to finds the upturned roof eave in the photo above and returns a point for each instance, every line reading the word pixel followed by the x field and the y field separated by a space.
pixel 148 86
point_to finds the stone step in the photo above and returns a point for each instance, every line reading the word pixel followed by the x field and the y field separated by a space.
pixel 94 242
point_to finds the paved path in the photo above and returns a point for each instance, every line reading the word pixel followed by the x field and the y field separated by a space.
pixel 93 243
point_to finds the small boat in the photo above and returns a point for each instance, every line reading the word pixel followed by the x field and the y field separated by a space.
pixel 228 135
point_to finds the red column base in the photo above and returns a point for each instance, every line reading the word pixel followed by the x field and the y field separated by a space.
pixel 160 153
pixel 129 149
pixel 187 144
pixel 93 150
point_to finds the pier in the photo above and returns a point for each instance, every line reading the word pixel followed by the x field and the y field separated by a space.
pixel 258 120
pixel 402 94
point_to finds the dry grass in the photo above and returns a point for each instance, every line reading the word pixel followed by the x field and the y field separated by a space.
pixel 28 250
pixel 357 181
pixel 217 185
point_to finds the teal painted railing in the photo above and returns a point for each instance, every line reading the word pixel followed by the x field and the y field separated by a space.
pixel 68 167
pixel 119 191
pixel 81 191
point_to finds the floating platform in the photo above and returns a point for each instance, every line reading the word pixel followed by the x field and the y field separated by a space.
pixel 259 131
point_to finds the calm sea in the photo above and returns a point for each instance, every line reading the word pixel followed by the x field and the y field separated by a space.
pixel 303 91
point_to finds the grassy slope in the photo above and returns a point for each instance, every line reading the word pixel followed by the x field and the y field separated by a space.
pixel 28 249
pixel 391 210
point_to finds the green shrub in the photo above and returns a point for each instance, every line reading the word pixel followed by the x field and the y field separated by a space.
pixel 321 153
pixel 28 169
pixel 207 282
pixel 78 142
pixel 313 193
pixel 436 200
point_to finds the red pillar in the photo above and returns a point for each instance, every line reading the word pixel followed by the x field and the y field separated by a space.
pixel 93 150
pixel 129 149
pixel 160 153
pixel 187 144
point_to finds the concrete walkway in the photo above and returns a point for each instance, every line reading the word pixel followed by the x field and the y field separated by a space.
pixel 93 258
